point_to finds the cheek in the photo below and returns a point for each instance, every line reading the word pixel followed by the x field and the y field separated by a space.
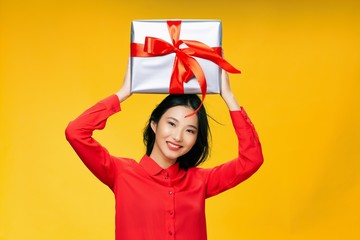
pixel 192 140
pixel 162 130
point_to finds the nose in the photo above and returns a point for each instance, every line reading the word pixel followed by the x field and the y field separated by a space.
pixel 177 136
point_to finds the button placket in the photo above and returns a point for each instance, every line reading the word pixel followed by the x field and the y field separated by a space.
pixel 170 214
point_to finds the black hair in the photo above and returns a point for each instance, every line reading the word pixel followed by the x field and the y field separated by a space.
pixel 201 149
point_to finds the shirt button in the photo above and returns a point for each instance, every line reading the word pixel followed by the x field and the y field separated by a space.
pixel 170 233
pixel 170 192
pixel 171 212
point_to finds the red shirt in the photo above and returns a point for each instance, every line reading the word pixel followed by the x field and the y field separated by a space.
pixel 156 203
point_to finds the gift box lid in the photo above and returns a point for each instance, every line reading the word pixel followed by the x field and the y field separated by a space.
pixel 200 30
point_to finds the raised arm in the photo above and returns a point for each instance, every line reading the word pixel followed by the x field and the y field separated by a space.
pixel 249 157
pixel 79 134
pixel 227 94
pixel 125 90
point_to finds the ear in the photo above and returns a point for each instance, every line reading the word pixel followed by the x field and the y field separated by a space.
pixel 153 126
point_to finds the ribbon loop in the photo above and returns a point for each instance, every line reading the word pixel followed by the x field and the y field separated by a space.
pixel 157 46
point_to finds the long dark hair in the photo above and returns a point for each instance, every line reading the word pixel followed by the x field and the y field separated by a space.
pixel 201 148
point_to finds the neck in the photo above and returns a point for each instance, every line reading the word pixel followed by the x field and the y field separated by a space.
pixel 162 162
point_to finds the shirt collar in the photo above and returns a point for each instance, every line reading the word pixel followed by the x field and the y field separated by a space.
pixel 153 168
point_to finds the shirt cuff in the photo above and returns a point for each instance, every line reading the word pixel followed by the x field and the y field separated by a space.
pixel 240 119
pixel 112 103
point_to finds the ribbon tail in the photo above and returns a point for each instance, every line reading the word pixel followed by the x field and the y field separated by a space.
pixel 181 74
pixel 176 83
pixel 215 58
pixel 195 68
pixel 199 49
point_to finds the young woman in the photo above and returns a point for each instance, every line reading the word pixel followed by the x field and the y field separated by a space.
pixel 163 195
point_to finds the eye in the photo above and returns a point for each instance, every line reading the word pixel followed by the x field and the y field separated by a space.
pixel 171 123
pixel 191 131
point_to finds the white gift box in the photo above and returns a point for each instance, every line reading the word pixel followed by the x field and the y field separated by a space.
pixel 152 74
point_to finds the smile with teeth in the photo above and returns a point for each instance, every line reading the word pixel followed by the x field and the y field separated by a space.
pixel 173 146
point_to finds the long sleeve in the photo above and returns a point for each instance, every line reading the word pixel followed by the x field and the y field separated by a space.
pixel 249 158
pixel 93 154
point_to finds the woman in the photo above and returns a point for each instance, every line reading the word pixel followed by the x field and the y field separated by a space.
pixel 163 196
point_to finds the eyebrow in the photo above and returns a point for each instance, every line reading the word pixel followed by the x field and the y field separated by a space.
pixel 190 125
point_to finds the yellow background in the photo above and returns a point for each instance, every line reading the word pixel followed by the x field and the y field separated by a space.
pixel 300 86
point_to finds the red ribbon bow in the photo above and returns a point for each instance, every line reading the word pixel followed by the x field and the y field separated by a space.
pixel 185 66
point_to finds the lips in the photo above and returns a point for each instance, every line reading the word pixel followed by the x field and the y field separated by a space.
pixel 173 146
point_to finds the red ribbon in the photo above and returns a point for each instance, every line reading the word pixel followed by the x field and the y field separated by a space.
pixel 185 66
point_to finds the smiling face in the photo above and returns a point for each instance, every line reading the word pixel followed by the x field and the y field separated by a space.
pixel 175 135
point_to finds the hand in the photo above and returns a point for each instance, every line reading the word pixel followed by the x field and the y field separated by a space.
pixel 226 92
pixel 125 90
pixel 225 84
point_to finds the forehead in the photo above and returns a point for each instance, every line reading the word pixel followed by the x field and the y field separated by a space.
pixel 179 113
